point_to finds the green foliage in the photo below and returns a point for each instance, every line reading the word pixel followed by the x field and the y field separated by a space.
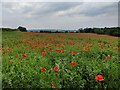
pixel 9 29
pixel 26 72
pixel 22 29
pixel 113 31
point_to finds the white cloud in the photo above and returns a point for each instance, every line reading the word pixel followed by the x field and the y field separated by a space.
pixel 59 15
pixel 60 1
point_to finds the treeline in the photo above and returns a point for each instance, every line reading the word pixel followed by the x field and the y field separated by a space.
pixel 22 29
pixel 50 31
pixel 8 29
pixel 113 31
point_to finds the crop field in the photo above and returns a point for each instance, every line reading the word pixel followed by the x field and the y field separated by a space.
pixel 59 60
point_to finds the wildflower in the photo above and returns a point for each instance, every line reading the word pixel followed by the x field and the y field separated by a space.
pixel 24 55
pixel 8 48
pixel 62 51
pixel 47 46
pixel 43 69
pixel 44 52
pixel 3 52
pixel 75 52
pixel 70 52
pixel 17 56
pixel 73 63
pixel 87 42
pixel 57 45
pixel 58 50
pixel 53 84
pixel 108 56
pixel 50 50
pixel 56 68
pixel 88 48
pixel 78 46
pixel 83 50
pixel 32 48
pixel 56 73
pixel 99 78
pixel 0 48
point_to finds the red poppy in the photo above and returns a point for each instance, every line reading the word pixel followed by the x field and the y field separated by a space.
pixel 73 63
pixel 108 56
pixel 44 52
pixel 99 78
pixel 56 68
pixel 53 84
pixel 57 45
pixel 70 52
pixel 83 50
pixel 62 51
pixel 50 50
pixel 0 48
pixel 17 56
pixel 3 52
pixel 58 50
pixel 78 46
pixel 88 48
pixel 24 55
pixel 43 69
pixel 75 52
pixel 47 46
pixel 8 48
pixel 86 41
pixel 56 73
pixel 32 48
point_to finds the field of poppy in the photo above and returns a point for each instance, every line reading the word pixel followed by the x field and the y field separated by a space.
pixel 59 60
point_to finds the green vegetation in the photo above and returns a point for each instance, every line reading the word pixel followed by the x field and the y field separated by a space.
pixel 22 29
pixel 67 60
pixel 8 29
pixel 113 31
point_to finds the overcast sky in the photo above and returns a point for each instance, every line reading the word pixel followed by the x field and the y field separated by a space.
pixel 61 15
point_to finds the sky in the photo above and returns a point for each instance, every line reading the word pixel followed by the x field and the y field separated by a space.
pixel 59 15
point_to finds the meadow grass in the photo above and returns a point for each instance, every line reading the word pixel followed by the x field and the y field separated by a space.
pixel 29 59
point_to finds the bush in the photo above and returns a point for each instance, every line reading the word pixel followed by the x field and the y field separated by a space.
pixel 23 29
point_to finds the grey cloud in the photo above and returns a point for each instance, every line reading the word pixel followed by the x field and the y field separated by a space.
pixel 51 8
pixel 38 9
pixel 41 9
pixel 110 8
pixel 92 9
pixel 59 15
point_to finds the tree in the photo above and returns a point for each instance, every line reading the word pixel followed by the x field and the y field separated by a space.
pixel 9 29
pixel 22 29
pixel 81 30
pixel 66 31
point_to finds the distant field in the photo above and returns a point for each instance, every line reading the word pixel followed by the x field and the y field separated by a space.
pixel 59 60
